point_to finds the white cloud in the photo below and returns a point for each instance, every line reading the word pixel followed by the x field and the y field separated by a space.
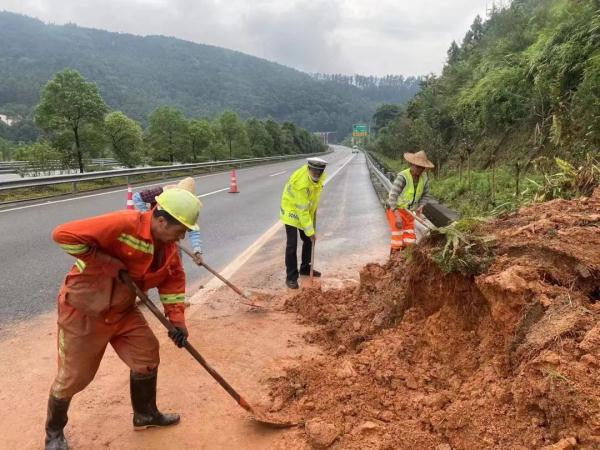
pixel 347 36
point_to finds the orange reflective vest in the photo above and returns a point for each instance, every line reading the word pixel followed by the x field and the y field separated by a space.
pixel 106 241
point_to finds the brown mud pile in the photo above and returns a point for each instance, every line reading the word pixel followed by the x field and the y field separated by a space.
pixel 420 359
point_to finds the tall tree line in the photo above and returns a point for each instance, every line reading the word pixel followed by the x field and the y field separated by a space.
pixel 76 124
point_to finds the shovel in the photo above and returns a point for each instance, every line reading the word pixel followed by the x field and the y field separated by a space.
pixel 236 289
pixel 259 418
pixel 430 228
pixel 312 261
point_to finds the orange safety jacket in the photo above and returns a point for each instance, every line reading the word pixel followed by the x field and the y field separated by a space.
pixel 105 243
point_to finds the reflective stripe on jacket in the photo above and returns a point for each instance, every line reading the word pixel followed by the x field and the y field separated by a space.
pixel 409 197
pixel 108 240
pixel 300 200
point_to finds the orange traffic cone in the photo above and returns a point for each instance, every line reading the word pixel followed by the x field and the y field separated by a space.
pixel 234 188
pixel 129 197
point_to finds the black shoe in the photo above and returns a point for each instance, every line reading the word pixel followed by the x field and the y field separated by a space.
pixel 143 400
pixel 55 423
pixel 306 272
pixel 292 284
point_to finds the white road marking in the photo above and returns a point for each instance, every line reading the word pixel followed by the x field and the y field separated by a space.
pixel 213 192
pixel 245 256
pixel 278 173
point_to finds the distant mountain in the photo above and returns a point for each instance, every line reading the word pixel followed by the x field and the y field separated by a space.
pixel 136 74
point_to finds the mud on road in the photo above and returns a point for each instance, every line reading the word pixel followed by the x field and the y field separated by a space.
pixel 418 358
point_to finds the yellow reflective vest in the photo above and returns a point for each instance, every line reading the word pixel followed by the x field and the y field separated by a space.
pixel 300 199
pixel 410 196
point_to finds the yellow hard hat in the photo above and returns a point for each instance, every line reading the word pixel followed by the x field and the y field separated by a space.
pixel 181 205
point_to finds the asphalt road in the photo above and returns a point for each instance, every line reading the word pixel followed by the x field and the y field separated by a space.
pixel 33 266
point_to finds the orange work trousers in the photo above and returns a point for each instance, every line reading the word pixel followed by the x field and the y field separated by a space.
pixel 404 236
pixel 82 341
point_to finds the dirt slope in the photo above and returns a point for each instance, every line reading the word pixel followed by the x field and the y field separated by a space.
pixel 417 358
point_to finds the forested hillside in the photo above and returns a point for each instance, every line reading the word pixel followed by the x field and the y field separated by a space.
pixel 522 84
pixel 137 74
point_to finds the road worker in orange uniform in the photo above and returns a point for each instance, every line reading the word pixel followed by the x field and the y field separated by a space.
pixel 96 308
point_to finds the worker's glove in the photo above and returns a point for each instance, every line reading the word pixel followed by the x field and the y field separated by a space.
pixel 420 211
pixel 313 238
pixel 198 258
pixel 179 336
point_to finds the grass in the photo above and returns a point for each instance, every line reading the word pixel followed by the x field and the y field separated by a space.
pixel 556 376
pixel 461 247
pixel 483 193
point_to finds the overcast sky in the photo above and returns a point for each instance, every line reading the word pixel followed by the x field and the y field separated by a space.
pixel 347 36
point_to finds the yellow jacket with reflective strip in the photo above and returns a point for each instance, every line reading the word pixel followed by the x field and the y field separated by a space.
pixel 300 200
pixel 411 195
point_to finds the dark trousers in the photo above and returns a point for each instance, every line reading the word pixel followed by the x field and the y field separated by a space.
pixel 291 259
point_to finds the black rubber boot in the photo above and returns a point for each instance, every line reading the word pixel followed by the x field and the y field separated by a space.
pixel 305 271
pixel 55 423
pixel 292 284
pixel 143 400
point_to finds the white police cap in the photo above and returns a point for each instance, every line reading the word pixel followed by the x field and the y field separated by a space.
pixel 317 163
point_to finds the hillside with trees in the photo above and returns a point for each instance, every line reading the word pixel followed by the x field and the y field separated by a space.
pixel 76 125
pixel 522 84
pixel 138 74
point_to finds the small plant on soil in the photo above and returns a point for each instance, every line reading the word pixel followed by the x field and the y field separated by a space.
pixel 569 181
pixel 459 247
pixel 555 376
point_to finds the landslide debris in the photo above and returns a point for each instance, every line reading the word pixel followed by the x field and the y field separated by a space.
pixel 417 358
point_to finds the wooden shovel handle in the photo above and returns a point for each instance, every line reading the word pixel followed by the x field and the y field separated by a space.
pixel 197 356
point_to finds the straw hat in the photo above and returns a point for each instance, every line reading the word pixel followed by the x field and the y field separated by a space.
pixel 419 159
pixel 187 184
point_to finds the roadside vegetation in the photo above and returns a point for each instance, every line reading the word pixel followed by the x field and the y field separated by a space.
pixel 514 118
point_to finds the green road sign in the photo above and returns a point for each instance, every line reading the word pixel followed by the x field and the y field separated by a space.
pixel 360 129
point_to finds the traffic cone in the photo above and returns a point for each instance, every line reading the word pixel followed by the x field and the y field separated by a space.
pixel 234 188
pixel 129 197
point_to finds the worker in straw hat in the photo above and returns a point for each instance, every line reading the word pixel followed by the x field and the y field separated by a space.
pixel 299 203
pixel 146 199
pixel 409 192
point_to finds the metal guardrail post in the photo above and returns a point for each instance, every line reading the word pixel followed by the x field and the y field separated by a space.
pixel 74 187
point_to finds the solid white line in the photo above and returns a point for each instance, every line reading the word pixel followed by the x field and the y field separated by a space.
pixel 278 173
pixel 245 256
pixel 213 192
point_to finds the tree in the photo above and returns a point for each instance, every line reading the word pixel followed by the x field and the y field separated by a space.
pixel 232 129
pixel 287 141
pixel 167 133
pixel 125 137
pixel 274 131
pixel 453 53
pixel 69 102
pixel 385 114
pixel 6 149
pixel 260 141
pixel 41 156
pixel 200 135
